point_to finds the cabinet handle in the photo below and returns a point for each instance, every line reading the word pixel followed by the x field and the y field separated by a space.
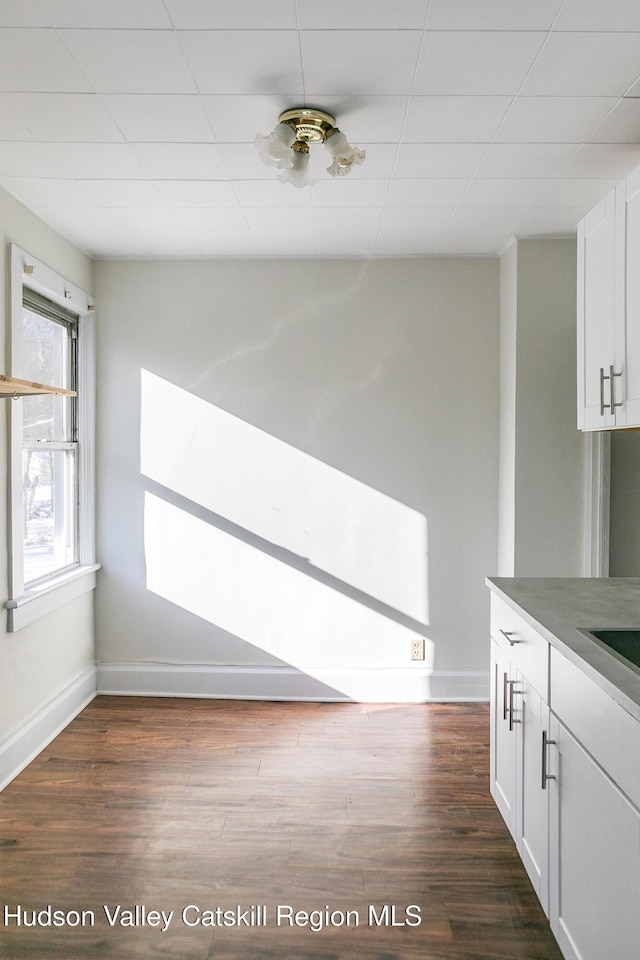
pixel 511 695
pixel 603 406
pixel 612 381
pixel 508 634
pixel 504 696
pixel 612 390
pixel 545 776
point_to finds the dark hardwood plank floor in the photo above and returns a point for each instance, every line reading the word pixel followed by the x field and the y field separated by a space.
pixel 162 804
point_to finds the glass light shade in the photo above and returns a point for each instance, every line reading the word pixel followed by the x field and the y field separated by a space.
pixel 344 156
pixel 275 148
pixel 298 175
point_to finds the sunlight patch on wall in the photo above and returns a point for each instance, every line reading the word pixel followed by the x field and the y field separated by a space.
pixel 340 525
pixel 265 602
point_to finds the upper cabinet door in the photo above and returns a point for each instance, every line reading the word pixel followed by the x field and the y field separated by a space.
pixel 597 305
pixel 627 336
pixel 608 304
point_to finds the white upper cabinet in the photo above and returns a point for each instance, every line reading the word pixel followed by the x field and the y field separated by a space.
pixel 630 353
pixel 608 301
pixel 596 302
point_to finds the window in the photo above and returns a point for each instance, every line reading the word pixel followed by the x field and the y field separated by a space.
pixel 49 440
pixel 51 444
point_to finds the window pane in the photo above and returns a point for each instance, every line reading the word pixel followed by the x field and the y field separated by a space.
pixel 47 358
pixel 49 486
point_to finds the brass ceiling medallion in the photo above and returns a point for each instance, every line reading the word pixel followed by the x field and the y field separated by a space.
pixel 309 125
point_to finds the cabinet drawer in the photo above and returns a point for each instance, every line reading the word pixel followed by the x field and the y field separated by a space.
pixel 529 652
pixel 602 726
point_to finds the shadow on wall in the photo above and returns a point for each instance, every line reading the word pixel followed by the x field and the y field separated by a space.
pixel 276 547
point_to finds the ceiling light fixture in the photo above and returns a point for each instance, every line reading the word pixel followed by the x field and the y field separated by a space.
pixel 287 146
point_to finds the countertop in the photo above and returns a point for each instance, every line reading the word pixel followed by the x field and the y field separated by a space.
pixel 560 608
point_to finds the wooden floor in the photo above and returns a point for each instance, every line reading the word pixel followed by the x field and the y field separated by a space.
pixel 332 808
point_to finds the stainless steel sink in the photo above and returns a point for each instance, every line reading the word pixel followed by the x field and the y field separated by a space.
pixel 624 644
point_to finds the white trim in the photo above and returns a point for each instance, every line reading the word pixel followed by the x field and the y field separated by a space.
pixel 287 683
pixel 469 686
pixel 597 504
pixel 15 508
pixel 29 272
pixel 49 595
pixel 25 606
pixel 21 748
pixel 87 427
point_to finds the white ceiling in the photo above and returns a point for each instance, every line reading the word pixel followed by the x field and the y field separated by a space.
pixel 128 125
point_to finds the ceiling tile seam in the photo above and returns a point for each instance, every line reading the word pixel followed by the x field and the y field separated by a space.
pixel 48 91
pixel 57 33
pixel 169 17
pixel 470 95
pixel 20 120
pixel 426 16
pixel 240 28
pixel 557 174
pixel 171 28
pixel 625 94
pixel 587 140
pixel 307 30
pixel 113 118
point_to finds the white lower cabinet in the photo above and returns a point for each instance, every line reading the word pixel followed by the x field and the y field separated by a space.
pixel 565 775
pixel 519 717
pixel 595 857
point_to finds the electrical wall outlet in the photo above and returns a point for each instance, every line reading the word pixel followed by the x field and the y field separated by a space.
pixel 417 648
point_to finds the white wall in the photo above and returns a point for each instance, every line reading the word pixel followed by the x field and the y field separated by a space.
pixel 542 452
pixel 378 379
pixel 41 661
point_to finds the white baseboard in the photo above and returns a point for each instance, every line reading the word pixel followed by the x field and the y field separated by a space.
pixel 287 683
pixel 466 687
pixel 21 748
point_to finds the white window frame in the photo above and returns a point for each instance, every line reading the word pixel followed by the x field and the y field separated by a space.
pixel 25 605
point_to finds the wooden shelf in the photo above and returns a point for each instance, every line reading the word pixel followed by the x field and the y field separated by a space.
pixel 12 387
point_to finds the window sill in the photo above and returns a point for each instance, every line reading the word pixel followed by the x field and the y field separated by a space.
pixel 38 601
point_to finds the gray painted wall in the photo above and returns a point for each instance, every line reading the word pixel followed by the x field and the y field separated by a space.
pixel 384 372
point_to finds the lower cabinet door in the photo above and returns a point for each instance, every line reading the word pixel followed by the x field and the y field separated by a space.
pixel 594 857
pixel 503 737
pixel 532 831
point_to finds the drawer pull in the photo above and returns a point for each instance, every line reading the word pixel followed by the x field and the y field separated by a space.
pixel 508 635
pixel 545 776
